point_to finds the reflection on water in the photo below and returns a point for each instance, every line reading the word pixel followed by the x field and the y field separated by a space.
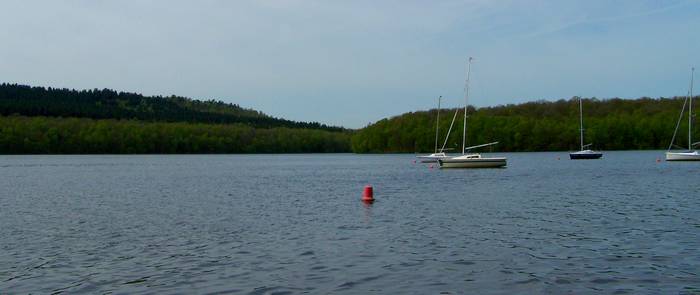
pixel 279 224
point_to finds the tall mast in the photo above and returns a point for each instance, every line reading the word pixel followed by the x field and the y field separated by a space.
pixel 437 125
pixel 690 111
pixel 580 115
pixel 466 99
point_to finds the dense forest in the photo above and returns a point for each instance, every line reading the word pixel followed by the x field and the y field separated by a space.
pixel 45 135
pixel 109 104
pixel 610 124
pixel 38 120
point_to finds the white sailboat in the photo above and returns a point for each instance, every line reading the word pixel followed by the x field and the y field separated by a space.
pixel 471 160
pixel 690 154
pixel 432 158
pixel 587 153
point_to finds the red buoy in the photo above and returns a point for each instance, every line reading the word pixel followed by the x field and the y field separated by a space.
pixel 368 194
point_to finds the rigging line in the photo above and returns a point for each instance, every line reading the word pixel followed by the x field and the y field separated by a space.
pixel 448 131
pixel 680 117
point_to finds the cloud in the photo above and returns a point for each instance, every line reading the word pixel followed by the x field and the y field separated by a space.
pixel 352 62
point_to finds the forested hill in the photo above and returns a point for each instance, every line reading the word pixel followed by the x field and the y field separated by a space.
pixel 610 124
pixel 109 104
pixel 37 120
pixel 48 120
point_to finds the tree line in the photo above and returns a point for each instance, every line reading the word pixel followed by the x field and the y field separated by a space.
pixel 610 124
pixel 50 135
pixel 37 120
pixel 109 104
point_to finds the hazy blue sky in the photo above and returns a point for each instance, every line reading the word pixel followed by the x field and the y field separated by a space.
pixel 353 62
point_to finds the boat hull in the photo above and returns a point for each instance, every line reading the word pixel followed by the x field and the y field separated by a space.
pixel 587 156
pixel 431 158
pixel 683 156
pixel 473 163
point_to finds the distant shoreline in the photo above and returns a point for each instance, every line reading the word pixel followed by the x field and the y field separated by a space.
pixel 322 154
pixel 50 135
pixel 610 124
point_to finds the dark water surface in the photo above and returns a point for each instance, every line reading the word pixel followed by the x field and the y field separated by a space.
pixel 287 224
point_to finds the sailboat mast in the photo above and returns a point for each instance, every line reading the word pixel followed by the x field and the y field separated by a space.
pixel 437 125
pixel 466 100
pixel 580 115
pixel 690 111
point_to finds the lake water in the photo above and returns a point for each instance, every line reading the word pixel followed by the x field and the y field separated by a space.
pixel 288 224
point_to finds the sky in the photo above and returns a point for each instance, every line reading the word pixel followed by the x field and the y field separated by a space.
pixel 351 63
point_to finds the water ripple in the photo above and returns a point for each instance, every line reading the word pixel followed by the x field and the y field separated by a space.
pixel 290 224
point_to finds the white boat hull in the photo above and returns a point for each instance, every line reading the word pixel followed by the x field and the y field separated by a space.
pixel 462 162
pixel 432 158
pixel 683 156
